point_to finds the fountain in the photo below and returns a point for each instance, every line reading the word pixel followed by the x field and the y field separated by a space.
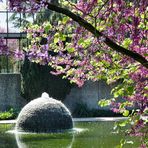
pixel 52 122
pixel 44 115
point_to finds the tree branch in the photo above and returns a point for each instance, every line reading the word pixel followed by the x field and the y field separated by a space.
pixel 137 57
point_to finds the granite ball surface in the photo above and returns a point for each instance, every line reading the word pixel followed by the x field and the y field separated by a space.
pixel 43 115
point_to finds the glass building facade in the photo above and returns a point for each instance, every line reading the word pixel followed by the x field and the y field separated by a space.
pixel 11 24
pixel 10 32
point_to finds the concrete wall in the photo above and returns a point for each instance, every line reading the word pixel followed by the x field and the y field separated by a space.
pixel 89 94
pixel 10 89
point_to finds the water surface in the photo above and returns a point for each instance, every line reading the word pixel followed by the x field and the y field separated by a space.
pixel 84 135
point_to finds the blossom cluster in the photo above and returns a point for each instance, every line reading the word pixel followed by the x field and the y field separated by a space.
pixel 27 5
pixel 15 53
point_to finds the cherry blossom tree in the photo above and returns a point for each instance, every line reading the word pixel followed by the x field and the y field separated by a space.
pixel 97 39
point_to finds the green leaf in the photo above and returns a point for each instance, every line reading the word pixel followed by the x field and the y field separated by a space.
pixel 146 54
pixel 85 43
pixel 65 19
pixel 127 42
pixel 48 26
pixel 142 16
pixel 70 50
pixel 56 40
pixel 126 113
pixel 104 102
pixel 119 92
pixel 122 124
pixel 130 88
pixel 80 41
pixel 62 37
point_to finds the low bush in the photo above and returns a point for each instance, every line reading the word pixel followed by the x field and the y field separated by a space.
pixel 10 114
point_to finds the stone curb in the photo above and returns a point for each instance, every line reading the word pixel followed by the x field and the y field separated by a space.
pixel 81 119
pixel 7 121
pixel 77 119
pixel 99 119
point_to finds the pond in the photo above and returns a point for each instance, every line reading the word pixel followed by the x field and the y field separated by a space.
pixel 84 135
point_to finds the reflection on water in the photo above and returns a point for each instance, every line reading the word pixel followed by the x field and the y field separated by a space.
pixel 44 140
pixel 66 138
pixel 85 134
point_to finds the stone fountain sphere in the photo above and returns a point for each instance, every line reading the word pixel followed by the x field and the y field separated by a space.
pixel 43 115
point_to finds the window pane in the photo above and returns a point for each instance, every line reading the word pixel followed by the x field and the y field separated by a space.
pixel 13 44
pixel 3 23
pixel 14 22
pixel 26 18
pixel 3 5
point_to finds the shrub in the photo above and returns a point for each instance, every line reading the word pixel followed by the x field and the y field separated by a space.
pixel 82 110
pixel 10 114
